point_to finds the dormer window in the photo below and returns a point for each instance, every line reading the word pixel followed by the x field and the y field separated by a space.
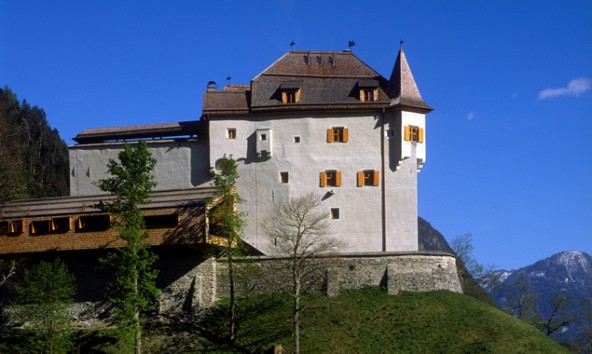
pixel 289 96
pixel 368 90
pixel 368 95
pixel 290 91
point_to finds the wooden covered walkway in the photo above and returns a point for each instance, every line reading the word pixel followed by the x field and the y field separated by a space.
pixel 74 223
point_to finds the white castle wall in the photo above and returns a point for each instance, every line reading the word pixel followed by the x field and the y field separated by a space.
pixel 180 164
pixel 360 222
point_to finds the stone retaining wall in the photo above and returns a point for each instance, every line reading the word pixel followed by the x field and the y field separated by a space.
pixel 419 271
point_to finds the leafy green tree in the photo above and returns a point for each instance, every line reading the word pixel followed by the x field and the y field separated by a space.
pixel 228 223
pixel 42 298
pixel 298 230
pixel 133 290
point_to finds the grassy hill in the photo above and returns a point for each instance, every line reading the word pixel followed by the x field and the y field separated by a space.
pixel 368 321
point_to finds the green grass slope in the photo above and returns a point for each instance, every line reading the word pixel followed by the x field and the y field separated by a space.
pixel 370 321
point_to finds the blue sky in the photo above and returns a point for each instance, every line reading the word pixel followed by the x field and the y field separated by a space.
pixel 509 141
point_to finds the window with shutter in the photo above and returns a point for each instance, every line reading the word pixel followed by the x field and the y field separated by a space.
pixel 337 135
pixel 368 178
pixel 330 178
pixel 413 133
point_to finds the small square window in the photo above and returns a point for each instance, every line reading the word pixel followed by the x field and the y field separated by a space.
pixel 284 177
pixel 231 133
pixel 263 137
pixel 296 140
pixel 334 213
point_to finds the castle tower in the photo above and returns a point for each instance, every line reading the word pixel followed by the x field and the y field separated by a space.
pixel 405 135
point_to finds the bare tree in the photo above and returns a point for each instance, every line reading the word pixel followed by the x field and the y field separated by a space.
pixel 7 269
pixel 298 230
pixel 560 315
pixel 521 300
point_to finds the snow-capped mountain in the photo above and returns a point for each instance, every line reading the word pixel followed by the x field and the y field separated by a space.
pixel 566 275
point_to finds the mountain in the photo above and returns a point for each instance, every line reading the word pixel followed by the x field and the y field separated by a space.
pixel 431 239
pixel 564 279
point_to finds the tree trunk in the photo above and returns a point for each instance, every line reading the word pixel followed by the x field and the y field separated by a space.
pixel 232 329
pixel 137 328
pixel 296 312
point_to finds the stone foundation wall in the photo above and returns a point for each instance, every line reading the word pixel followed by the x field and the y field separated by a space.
pixel 396 272
pixel 191 283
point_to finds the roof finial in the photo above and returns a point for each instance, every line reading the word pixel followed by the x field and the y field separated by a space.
pixel 228 78
pixel 292 44
pixel 401 43
pixel 351 44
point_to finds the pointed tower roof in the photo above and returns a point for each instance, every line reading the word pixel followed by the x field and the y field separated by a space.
pixel 402 88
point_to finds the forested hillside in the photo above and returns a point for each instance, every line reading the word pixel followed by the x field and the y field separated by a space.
pixel 33 157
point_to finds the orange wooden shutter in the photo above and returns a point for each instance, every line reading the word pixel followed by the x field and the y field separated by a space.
pixel 376 178
pixel 345 135
pixel 421 135
pixel 12 227
pixel 407 133
pixel 323 179
pixel 338 179
pixel 32 229
pixel 360 178
pixel 329 135
pixel 362 97
pixel 52 225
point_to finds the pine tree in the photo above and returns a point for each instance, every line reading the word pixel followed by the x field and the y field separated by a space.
pixel 134 289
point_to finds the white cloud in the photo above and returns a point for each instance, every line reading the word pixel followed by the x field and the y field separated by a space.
pixel 574 88
pixel 471 115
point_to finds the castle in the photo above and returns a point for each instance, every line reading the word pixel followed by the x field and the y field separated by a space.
pixel 312 122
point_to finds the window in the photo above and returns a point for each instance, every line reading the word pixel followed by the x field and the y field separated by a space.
pixel 337 135
pixel 263 137
pixel 296 140
pixel 93 223
pixel 284 177
pixel 289 96
pixel 330 178
pixel 334 214
pixel 231 133
pixel 414 133
pixel 290 91
pixel 11 228
pixel 368 178
pixel 161 221
pixel 368 94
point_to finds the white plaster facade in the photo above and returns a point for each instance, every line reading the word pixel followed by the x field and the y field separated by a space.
pixel 300 148
pixel 180 164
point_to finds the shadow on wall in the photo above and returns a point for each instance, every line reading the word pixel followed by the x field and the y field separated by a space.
pixel 200 164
